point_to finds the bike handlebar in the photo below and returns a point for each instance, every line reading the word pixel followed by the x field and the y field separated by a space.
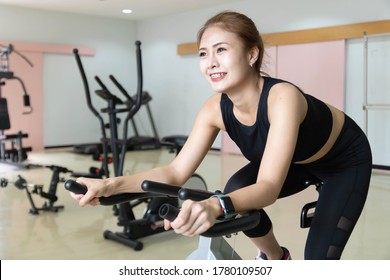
pixel 222 228
pixel 77 188
pixel 167 211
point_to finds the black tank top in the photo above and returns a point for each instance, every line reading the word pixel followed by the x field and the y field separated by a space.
pixel 313 133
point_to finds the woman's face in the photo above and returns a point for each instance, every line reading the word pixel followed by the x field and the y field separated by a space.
pixel 224 61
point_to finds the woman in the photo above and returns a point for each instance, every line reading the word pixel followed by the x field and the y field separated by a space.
pixel 286 135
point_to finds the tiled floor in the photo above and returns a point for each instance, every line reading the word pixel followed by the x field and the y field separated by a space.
pixel 77 233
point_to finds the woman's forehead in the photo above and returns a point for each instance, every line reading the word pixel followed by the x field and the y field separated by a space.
pixel 216 34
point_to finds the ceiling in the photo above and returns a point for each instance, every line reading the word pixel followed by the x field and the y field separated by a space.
pixel 142 9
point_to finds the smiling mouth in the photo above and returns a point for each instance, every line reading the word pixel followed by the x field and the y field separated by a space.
pixel 217 76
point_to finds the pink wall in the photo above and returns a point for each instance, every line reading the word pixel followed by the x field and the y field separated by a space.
pixel 317 68
pixel 33 123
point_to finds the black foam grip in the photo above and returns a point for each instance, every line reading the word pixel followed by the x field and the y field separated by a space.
pixel 246 221
pixel 168 212
pixel 77 188
pixel 160 188
pixel 227 227
pixel 26 100
pixel 193 194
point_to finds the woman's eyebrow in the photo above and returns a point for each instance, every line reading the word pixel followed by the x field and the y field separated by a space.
pixel 213 46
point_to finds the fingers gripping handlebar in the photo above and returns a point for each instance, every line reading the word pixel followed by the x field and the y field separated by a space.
pixel 167 211
pixel 243 222
pixel 77 188
pixel 227 227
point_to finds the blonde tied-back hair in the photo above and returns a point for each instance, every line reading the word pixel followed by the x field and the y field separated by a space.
pixel 243 27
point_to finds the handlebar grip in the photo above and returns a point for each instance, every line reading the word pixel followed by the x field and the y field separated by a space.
pixel 77 188
pixel 26 100
pixel 168 212
pixel 194 194
pixel 160 188
pixel 227 227
pixel 244 222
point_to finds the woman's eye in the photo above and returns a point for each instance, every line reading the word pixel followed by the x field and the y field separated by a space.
pixel 221 49
pixel 201 54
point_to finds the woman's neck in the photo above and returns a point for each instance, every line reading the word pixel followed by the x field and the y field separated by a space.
pixel 246 98
pixel 246 102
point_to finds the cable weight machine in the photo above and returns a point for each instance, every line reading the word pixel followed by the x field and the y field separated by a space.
pixel 15 153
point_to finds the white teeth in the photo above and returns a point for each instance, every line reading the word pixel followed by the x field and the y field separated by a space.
pixel 216 75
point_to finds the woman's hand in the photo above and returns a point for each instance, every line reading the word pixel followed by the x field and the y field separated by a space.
pixel 96 188
pixel 195 217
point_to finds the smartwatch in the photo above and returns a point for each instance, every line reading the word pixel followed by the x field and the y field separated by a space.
pixel 226 206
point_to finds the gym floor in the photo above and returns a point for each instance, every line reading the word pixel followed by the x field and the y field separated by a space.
pixel 77 233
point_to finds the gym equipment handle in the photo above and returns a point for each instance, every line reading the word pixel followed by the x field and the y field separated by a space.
pixel 227 227
pixel 160 188
pixel 167 211
pixel 77 188
pixel 152 189
pixel 194 194
pixel 170 212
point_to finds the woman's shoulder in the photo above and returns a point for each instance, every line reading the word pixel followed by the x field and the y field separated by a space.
pixel 211 109
pixel 285 96
pixel 278 87
pixel 214 100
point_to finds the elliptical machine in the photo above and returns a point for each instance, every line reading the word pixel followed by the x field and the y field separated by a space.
pixel 150 223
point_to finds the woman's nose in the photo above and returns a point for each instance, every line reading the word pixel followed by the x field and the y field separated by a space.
pixel 212 62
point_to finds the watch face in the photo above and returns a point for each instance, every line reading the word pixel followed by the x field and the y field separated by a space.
pixel 227 205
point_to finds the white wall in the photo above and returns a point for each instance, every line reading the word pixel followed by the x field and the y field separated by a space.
pixel 377 125
pixel 174 81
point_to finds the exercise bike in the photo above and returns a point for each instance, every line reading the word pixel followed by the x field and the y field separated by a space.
pixel 212 244
pixel 51 195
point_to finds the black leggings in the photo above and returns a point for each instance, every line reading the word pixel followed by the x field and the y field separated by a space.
pixel 345 172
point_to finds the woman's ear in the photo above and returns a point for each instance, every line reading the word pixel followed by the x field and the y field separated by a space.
pixel 253 55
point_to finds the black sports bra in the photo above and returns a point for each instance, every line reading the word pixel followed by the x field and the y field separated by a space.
pixel 313 133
